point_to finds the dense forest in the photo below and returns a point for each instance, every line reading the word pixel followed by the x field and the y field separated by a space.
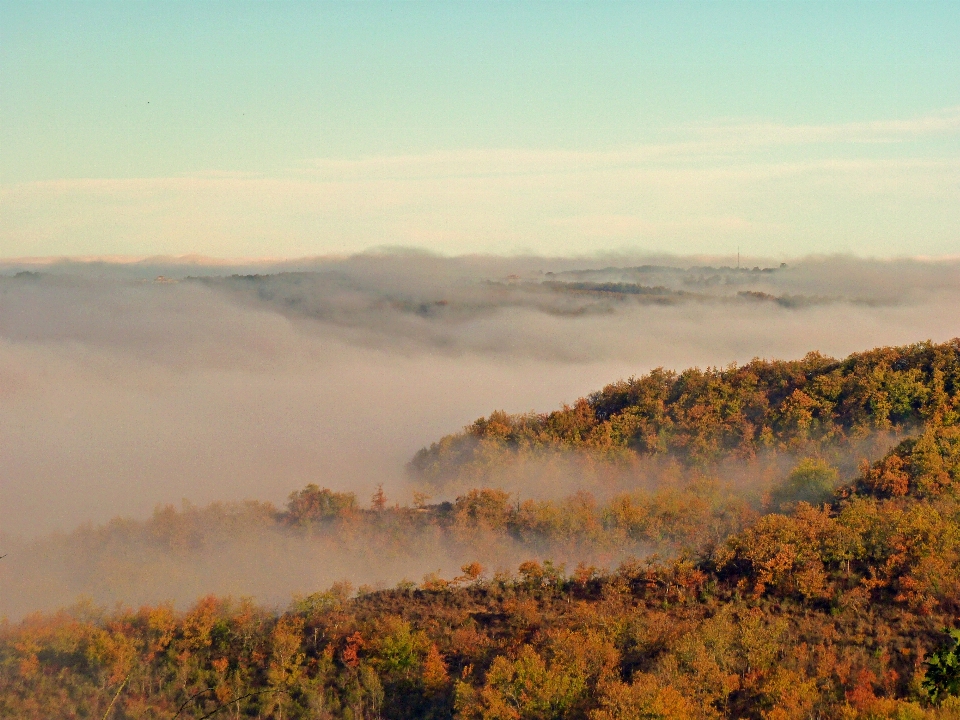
pixel 813 405
pixel 828 586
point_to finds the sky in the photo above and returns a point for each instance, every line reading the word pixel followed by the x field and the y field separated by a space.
pixel 282 129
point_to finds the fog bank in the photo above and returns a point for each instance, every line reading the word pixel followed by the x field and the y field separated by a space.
pixel 118 391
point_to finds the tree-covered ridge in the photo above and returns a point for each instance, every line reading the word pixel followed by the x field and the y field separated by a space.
pixel 891 536
pixel 703 415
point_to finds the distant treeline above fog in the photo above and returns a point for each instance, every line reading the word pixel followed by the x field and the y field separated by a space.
pixel 386 295
pixel 504 305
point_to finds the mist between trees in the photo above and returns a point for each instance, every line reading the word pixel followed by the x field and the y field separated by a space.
pixel 319 537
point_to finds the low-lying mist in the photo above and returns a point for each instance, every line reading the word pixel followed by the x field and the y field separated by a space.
pixel 323 537
pixel 121 391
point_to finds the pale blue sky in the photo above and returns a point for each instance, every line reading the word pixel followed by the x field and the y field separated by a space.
pixel 279 129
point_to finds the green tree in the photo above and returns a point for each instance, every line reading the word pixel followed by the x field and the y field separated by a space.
pixel 943 669
pixel 812 481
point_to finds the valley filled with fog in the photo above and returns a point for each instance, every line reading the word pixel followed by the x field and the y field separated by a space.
pixel 128 387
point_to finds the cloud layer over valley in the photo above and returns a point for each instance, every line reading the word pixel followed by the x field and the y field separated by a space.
pixel 119 392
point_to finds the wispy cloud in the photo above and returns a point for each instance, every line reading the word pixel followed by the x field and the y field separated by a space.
pixel 939 124
pixel 871 186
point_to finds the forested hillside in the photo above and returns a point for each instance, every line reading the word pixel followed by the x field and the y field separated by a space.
pixel 700 416
pixel 830 593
